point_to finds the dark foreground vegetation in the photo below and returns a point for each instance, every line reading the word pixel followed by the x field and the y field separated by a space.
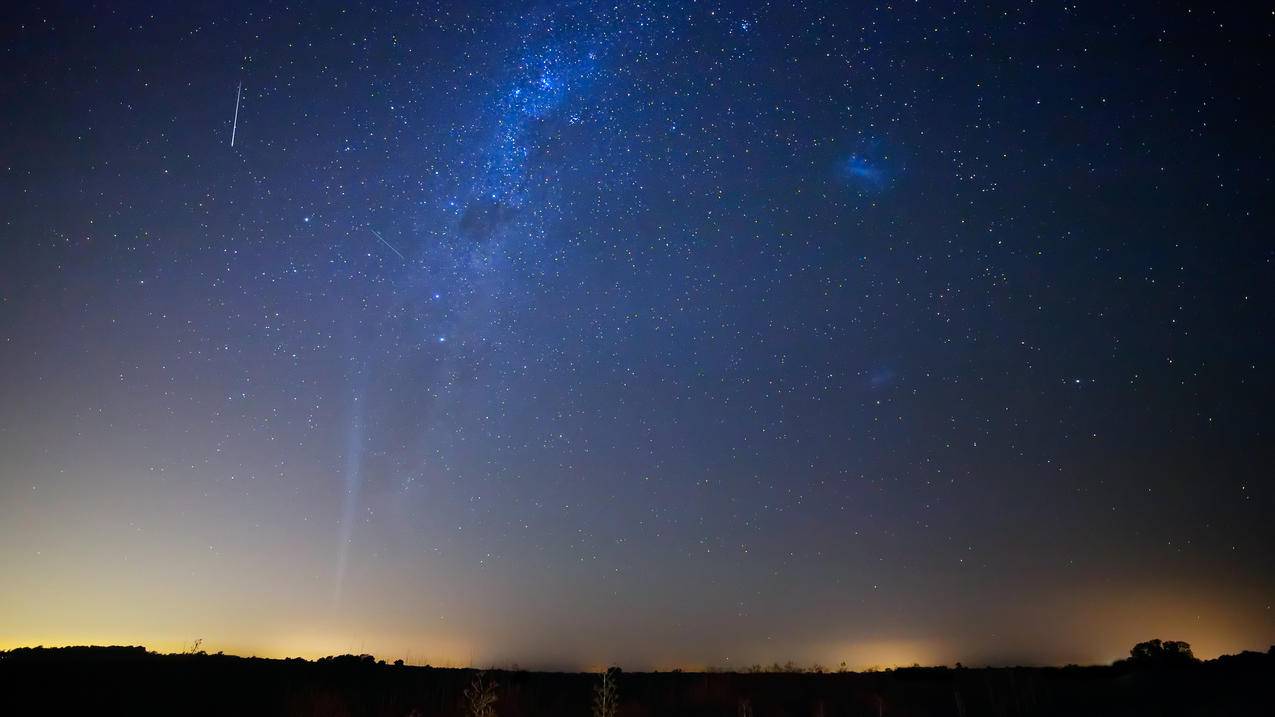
pixel 1158 679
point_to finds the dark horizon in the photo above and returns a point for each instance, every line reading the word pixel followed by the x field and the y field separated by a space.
pixel 655 334
pixel 196 650
pixel 1160 677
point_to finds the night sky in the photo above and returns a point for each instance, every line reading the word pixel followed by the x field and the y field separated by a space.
pixel 666 335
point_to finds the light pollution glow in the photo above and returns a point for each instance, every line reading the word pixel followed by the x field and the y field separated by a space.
pixel 663 334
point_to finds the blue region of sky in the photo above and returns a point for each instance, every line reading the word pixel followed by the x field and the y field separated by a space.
pixel 651 333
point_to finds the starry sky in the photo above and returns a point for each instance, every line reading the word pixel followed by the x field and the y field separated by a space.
pixel 659 334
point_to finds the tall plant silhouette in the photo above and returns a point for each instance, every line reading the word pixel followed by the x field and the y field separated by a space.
pixel 480 697
pixel 606 698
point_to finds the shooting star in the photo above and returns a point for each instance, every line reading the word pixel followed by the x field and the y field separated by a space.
pixel 391 246
pixel 235 126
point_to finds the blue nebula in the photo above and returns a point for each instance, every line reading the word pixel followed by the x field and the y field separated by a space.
pixel 865 173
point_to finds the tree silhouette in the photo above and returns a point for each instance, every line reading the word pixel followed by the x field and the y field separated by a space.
pixel 1156 652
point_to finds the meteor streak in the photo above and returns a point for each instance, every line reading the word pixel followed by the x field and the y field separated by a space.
pixel 391 246
pixel 235 125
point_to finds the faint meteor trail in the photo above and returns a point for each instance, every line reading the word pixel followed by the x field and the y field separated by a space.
pixel 235 125
pixel 391 246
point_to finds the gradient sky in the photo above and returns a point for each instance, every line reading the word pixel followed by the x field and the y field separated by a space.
pixel 653 334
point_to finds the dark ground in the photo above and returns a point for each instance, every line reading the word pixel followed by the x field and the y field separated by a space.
pixel 132 681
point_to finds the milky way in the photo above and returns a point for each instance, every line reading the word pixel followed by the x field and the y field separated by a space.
pixel 550 89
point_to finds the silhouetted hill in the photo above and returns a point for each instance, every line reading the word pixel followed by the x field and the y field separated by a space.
pixel 132 681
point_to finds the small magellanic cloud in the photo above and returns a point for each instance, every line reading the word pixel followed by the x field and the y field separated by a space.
pixel 864 174
pixel 867 169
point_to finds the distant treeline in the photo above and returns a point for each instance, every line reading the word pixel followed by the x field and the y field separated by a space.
pixel 1159 678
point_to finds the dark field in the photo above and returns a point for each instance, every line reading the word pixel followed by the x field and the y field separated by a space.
pixel 130 680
